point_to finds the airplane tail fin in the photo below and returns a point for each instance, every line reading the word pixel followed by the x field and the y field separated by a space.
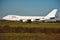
pixel 51 14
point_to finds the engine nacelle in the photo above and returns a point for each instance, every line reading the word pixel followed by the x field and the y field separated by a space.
pixel 32 20
pixel 24 20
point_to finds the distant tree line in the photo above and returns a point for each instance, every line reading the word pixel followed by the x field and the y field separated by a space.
pixel 57 21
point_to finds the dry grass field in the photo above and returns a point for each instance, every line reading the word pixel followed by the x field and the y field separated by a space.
pixel 29 36
pixel 10 30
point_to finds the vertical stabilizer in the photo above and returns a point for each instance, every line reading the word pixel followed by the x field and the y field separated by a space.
pixel 51 14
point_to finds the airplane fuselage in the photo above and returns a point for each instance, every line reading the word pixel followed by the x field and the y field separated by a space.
pixel 51 15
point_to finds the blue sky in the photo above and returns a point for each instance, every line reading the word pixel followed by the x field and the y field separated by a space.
pixel 28 7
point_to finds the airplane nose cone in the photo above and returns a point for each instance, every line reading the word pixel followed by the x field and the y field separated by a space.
pixel 4 18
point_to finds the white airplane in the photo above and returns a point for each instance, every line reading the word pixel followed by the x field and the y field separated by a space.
pixel 51 15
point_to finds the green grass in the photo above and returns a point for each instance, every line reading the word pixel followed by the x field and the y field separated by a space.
pixel 30 25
